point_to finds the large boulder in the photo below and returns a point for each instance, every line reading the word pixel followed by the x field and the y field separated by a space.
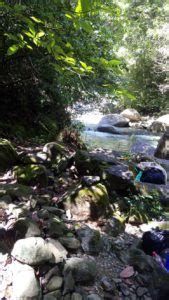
pixel 113 120
pixel 131 114
pixel 8 155
pixel 90 239
pixel 31 175
pixel 88 202
pixel 83 269
pixel 93 163
pixel 161 124
pixel 162 150
pixel 25 284
pixel 118 130
pixel 119 177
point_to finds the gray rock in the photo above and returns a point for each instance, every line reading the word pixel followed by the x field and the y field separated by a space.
pixel 25 227
pixel 90 240
pixel 131 114
pixel 94 297
pixel 69 283
pixel 25 285
pixel 161 124
pixel 141 291
pixel 54 283
pixel 32 251
pixel 83 269
pixel 155 275
pixel 113 120
pixel 119 177
pixel 117 130
pixel 70 243
pixel 15 190
pixel 57 228
pixel 56 295
pixel 59 253
pixel 76 296
pixel 114 227
pixel 5 201
pixel 162 150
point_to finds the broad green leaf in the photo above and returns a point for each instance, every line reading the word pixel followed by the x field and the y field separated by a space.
pixel 115 62
pixel 40 34
pixel 13 49
pixel 68 16
pixel 70 60
pixel 29 34
pixel 37 20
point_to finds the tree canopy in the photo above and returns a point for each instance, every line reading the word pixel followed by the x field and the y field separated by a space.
pixel 56 52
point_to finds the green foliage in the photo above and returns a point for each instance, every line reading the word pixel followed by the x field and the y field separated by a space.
pixel 142 208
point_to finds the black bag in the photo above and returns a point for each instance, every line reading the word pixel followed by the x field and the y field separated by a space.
pixel 155 240
pixel 153 175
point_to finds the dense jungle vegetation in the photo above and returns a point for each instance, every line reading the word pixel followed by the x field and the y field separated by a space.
pixel 55 52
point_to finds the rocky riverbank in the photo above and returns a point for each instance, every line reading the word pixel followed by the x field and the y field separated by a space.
pixel 61 234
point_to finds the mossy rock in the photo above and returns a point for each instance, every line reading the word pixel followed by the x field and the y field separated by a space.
pixel 15 190
pixel 31 175
pixel 8 155
pixel 90 202
pixel 54 151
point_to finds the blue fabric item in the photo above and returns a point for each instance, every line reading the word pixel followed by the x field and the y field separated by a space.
pixel 138 177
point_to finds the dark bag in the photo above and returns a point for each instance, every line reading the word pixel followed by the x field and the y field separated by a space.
pixel 153 175
pixel 155 240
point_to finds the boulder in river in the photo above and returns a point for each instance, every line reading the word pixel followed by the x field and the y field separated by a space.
pixel 118 130
pixel 8 155
pixel 113 120
pixel 162 150
pixel 131 114
pixel 161 124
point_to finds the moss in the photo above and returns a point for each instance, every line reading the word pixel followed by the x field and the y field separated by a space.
pixel 31 174
pixel 8 155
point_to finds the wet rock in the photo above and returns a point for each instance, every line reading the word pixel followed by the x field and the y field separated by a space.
pixel 57 228
pixel 58 251
pixel 88 202
pixel 114 226
pixel 25 284
pixel 119 177
pixel 117 130
pixel 56 295
pixel 8 155
pixel 31 175
pixel 25 227
pixel 131 114
pixel 83 270
pixel 32 251
pixel 70 243
pixel 113 120
pixel 76 296
pixel 90 240
pixel 54 283
pixel 161 124
pixel 162 150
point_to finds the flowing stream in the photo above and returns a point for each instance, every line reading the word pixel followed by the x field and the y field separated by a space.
pixel 145 142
